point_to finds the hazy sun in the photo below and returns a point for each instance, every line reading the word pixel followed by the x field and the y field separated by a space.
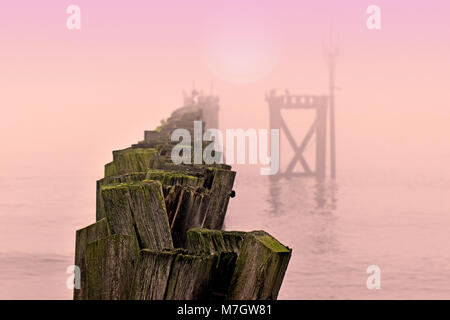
pixel 240 52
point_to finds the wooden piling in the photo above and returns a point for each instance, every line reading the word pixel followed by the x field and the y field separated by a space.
pixel 186 209
pixel 209 241
pixel 226 245
pixel 260 268
pixel 138 210
pixel 191 277
pixel 152 274
pixel 84 236
pixel 110 266
pixel 221 187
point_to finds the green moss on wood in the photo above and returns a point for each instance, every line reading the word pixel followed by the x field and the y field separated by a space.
pixel 152 274
pixel 98 230
pixel 260 268
pixel 110 264
pixel 191 277
pixel 214 241
pixel 110 169
pixel 270 242
pixel 131 160
pixel 173 178
pixel 126 178
pixel 138 209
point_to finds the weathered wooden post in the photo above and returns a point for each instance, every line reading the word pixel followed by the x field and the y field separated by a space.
pixel 260 268
pixel 84 236
pixel 110 266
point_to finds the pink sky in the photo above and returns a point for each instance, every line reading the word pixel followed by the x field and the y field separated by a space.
pixel 70 97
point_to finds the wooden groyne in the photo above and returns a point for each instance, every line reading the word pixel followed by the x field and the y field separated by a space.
pixel 158 231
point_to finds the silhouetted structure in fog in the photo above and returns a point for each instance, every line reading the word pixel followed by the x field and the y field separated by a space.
pixel 209 104
pixel 318 128
pixel 320 104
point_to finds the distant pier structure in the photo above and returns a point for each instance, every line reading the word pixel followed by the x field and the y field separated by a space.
pixel 323 105
pixel 318 128
pixel 209 104
pixel 196 107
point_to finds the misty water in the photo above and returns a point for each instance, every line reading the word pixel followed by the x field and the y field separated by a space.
pixel 336 229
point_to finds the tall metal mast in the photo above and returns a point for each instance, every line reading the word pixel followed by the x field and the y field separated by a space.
pixel 331 52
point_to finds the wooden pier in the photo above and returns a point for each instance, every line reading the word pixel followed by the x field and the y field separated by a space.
pixel 158 233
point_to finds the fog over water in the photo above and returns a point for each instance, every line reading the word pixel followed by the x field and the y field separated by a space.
pixel 336 229
pixel 70 98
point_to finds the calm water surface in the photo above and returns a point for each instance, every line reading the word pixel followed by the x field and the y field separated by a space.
pixel 336 229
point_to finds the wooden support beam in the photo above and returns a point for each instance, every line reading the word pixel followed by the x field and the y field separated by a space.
pixel 191 277
pixel 110 267
pixel 318 128
pixel 226 245
pixel 256 281
pixel 84 236
pixel 294 146
pixel 187 209
pixel 214 241
pixel 299 151
pixel 152 274
pixel 221 187
pixel 138 210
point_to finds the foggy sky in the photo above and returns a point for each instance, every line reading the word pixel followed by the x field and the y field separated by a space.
pixel 70 97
